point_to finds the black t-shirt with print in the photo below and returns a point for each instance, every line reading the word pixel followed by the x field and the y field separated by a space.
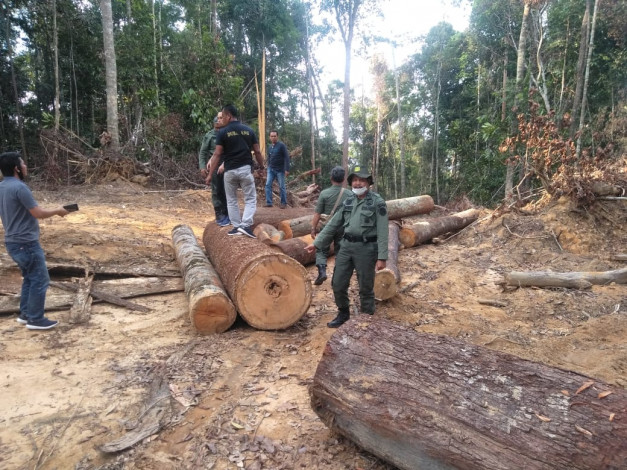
pixel 237 141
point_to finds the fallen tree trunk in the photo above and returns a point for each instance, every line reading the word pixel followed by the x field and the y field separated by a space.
pixel 268 234
pixel 386 281
pixel 397 209
pixel 295 248
pixel 270 290
pixel 210 309
pixel 577 280
pixel 425 230
pixel 425 401
pixel 274 215
pixel 100 295
pixel 303 176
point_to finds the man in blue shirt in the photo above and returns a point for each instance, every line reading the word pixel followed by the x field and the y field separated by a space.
pixel 19 213
pixel 278 168
pixel 234 145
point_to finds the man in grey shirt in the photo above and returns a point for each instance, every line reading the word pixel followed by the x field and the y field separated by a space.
pixel 19 213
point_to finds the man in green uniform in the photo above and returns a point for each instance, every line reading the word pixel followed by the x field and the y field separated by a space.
pixel 218 195
pixel 364 218
pixel 329 201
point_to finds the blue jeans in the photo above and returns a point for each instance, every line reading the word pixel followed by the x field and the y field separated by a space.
pixel 31 260
pixel 280 177
pixel 243 178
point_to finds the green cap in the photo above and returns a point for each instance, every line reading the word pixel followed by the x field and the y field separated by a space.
pixel 360 171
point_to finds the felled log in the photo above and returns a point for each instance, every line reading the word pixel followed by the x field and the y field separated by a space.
pixel 420 232
pixel 406 207
pixel 81 308
pixel 210 309
pixel 575 280
pixel 425 401
pixel 274 215
pixel 386 281
pixel 270 290
pixel 312 189
pixel 100 295
pixel 397 208
pixel 268 234
pixel 295 248
pixel 304 175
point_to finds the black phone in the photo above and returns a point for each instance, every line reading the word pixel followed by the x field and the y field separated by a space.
pixel 71 207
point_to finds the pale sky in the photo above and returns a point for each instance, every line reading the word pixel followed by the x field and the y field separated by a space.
pixel 403 21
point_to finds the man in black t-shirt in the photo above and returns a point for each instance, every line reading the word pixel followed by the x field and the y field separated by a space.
pixel 234 144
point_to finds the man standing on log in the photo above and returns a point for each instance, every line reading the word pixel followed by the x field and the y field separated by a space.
pixel 329 201
pixel 278 168
pixel 19 213
pixel 364 219
pixel 234 145
pixel 218 196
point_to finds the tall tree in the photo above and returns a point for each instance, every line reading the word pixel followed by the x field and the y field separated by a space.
pixel 111 73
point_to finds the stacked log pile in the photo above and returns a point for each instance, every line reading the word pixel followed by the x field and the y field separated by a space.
pixel 424 401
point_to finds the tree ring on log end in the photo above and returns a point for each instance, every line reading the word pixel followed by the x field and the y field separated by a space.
pixel 213 314
pixel 272 292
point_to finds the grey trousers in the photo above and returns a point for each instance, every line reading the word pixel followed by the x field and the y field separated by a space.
pixel 240 178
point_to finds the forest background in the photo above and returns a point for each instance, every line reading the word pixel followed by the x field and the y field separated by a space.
pixel 529 99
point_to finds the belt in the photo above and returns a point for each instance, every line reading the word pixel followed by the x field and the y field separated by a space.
pixel 352 238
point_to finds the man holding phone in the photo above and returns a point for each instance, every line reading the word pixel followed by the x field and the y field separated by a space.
pixel 19 213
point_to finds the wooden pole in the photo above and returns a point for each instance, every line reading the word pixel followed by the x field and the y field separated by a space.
pixel 425 230
pixel 270 290
pixel 210 309
pixel 421 401
pixel 576 280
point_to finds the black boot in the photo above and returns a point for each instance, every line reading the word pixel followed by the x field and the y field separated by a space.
pixel 322 274
pixel 342 317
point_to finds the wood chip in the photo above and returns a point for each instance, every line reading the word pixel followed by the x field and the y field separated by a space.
pixel 583 431
pixel 586 385
pixel 612 416
pixel 543 418
pixel 565 392
pixel 604 394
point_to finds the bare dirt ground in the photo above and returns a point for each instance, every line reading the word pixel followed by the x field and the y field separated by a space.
pixel 240 399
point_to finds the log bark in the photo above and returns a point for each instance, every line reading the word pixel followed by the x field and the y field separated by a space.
pixel 100 295
pixel 386 281
pixel 397 209
pixel 425 401
pixel 427 229
pixel 270 290
pixel 268 234
pixel 576 280
pixel 210 309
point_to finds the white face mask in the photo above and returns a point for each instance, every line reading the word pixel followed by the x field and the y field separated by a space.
pixel 360 191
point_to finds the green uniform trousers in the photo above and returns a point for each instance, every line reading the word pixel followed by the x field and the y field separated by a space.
pixel 362 258
pixel 322 255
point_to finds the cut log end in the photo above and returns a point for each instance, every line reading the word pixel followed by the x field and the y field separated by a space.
pixel 273 292
pixel 385 286
pixel 213 314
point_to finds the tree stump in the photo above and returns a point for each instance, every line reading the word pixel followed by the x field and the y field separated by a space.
pixel 386 281
pixel 270 290
pixel 425 230
pixel 210 309
pixel 425 401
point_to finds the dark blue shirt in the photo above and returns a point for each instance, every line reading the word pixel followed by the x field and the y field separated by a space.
pixel 279 157
pixel 16 201
pixel 237 142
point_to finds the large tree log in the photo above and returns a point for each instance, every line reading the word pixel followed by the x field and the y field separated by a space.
pixel 210 309
pixel 578 280
pixel 295 248
pixel 424 401
pixel 397 209
pixel 274 215
pixel 269 289
pixel 386 281
pixel 412 235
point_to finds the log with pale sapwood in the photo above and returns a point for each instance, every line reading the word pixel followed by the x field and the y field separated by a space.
pixel 425 230
pixel 397 209
pixel 386 281
pixel 268 234
pixel 575 280
pixel 295 248
pixel 270 290
pixel 421 401
pixel 274 215
pixel 210 309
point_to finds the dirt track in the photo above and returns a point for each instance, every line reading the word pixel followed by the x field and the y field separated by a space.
pixel 242 397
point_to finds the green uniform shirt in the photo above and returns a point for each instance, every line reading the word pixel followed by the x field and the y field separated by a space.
pixel 328 198
pixel 364 218
pixel 207 148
